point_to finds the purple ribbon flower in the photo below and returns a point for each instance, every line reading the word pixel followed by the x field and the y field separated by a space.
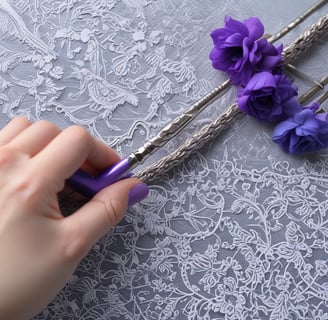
pixel 268 97
pixel 304 132
pixel 239 51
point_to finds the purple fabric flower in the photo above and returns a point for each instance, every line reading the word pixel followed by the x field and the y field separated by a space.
pixel 239 51
pixel 268 97
pixel 305 132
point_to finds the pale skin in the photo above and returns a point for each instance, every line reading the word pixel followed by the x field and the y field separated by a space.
pixel 39 247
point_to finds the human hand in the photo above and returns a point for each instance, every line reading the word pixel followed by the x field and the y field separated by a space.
pixel 39 248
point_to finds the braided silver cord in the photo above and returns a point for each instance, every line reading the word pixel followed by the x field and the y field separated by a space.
pixel 306 40
pixel 208 132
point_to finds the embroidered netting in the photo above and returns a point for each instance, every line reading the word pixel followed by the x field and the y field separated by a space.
pixel 239 230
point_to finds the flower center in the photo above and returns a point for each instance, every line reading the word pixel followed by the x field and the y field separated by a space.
pixel 265 100
pixel 236 53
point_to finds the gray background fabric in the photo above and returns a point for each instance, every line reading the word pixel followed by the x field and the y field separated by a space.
pixel 237 231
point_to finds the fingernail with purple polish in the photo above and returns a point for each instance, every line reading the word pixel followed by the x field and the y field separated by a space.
pixel 138 193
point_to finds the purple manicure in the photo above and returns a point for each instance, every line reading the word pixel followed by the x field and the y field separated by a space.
pixel 138 193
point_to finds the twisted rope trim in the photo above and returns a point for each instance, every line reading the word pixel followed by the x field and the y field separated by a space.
pixel 306 40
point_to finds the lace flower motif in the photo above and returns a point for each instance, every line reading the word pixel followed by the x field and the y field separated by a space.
pixel 240 51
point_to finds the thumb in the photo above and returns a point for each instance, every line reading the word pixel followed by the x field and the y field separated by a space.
pixel 89 223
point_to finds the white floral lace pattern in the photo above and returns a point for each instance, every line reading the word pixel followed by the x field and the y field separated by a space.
pixel 239 230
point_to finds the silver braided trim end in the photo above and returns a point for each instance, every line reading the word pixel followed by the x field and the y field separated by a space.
pixel 206 134
pixel 159 168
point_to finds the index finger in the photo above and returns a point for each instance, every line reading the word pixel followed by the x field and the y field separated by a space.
pixel 69 150
pixel 101 157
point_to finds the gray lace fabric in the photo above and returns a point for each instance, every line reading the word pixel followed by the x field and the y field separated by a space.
pixel 238 230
